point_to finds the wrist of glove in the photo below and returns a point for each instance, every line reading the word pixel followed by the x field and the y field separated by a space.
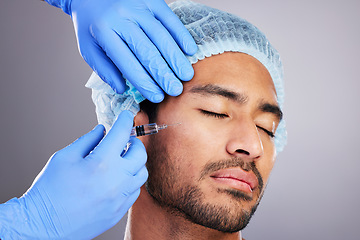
pixel 11 213
pixel 65 5
pixel 30 217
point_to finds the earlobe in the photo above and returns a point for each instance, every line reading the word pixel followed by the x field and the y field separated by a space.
pixel 141 118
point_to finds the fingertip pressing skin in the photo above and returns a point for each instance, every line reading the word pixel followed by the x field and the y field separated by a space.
pixel 187 72
pixel 156 98
pixel 176 88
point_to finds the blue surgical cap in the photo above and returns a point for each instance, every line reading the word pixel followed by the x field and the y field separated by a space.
pixel 214 32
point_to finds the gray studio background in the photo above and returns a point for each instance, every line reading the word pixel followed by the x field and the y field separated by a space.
pixel 313 191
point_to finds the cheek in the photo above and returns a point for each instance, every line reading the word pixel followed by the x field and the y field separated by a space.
pixel 183 150
pixel 190 147
pixel 193 143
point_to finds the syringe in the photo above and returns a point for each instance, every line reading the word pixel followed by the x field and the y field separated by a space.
pixel 148 129
pixel 143 130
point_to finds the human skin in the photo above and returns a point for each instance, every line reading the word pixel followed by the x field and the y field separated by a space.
pixel 181 157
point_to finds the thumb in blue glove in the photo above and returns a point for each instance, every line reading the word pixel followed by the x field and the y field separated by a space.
pixel 83 190
pixel 141 40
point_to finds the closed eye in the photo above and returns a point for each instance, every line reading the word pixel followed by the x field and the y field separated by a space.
pixel 222 115
pixel 213 114
pixel 271 134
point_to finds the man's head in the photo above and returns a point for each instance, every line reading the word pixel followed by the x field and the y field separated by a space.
pixel 212 168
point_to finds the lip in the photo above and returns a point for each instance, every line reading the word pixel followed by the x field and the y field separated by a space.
pixel 236 178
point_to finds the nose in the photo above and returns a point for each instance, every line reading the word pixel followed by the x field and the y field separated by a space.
pixel 245 142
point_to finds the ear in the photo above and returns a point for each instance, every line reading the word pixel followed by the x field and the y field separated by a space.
pixel 142 118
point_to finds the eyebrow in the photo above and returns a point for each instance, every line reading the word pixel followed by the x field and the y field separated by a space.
pixel 241 98
pixel 271 108
pixel 212 89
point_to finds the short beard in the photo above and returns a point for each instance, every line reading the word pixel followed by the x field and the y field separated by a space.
pixel 188 201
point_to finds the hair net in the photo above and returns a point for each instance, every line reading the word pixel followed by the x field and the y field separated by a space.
pixel 214 32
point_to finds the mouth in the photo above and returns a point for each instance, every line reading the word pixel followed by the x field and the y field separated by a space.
pixel 236 178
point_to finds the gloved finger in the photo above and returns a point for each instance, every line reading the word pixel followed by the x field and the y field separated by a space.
pixel 150 57
pixel 104 68
pixel 131 69
pixel 135 157
pixel 86 143
pixel 168 48
pixel 129 201
pixel 176 28
pixel 136 182
pixel 141 177
pixel 114 142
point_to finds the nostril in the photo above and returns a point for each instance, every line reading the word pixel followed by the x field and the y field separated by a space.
pixel 243 151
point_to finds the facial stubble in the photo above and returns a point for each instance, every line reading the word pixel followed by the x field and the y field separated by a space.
pixel 167 186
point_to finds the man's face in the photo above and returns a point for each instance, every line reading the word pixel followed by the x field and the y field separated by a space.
pixel 212 168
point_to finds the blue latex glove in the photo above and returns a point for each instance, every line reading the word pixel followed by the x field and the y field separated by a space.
pixel 135 39
pixel 82 191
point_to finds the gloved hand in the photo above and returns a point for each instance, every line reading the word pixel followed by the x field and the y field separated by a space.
pixel 135 39
pixel 83 190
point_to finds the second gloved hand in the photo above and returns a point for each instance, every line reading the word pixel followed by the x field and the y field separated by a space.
pixel 84 189
pixel 142 40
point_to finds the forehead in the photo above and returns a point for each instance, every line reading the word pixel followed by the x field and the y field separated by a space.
pixel 239 72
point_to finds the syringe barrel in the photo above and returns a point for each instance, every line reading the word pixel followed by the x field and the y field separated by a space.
pixel 143 130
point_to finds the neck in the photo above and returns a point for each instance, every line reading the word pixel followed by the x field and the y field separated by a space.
pixel 147 220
